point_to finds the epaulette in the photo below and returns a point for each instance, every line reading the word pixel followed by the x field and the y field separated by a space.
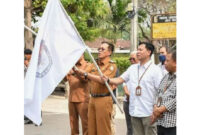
pixel 111 61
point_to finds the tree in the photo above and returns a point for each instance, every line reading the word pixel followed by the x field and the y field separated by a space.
pixel 94 18
pixel 85 14
pixel 151 7
pixel 117 21
pixel 28 37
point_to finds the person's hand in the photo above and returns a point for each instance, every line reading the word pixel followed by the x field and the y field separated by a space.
pixel 156 114
pixel 78 71
pixel 156 111
pixel 153 118
pixel 127 93
pixel 104 78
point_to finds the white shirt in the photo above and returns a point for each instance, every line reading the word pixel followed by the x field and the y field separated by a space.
pixel 163 69
pixel 128 87
pixel 142 106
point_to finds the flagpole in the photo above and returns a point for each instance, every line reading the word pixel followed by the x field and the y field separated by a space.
pixel 30 30
pixel 101 74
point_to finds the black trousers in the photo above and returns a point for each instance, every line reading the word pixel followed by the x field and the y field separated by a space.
pixel 166 131
pixel 128 118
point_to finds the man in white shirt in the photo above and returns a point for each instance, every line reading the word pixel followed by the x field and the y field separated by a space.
pixel 144 79
pixel 162 57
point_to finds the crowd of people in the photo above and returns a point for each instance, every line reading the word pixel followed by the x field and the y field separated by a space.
pixel 150 93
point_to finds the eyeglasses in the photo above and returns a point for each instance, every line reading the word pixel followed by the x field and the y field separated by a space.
pixel 132 59
pixel 101 49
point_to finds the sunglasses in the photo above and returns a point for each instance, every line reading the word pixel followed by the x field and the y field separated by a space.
pixel 132 59
pixel 101 49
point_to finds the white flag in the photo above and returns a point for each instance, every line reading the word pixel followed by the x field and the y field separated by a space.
pixel 57 48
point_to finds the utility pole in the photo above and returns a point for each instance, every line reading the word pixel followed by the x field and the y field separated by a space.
pixel 134 25
pixel 132 12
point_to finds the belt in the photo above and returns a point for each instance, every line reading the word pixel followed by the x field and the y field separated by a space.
pixel 100 95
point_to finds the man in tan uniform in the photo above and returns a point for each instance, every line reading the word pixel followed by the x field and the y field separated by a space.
pixel 78 99
pixel 100 104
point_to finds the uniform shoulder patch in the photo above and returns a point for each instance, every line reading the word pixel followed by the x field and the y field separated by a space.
pixel 111 61
pixel 111 67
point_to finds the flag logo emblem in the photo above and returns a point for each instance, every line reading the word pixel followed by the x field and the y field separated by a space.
pixel 44 61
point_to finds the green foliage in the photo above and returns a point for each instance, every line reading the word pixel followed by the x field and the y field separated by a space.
pixel 142 15
pixel 38 8
pixel 87 57
pixel 100 18
pixel 86 14
pixel 117 22
pixel 122 63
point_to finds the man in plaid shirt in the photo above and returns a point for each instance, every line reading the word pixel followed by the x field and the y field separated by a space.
pixel 165 109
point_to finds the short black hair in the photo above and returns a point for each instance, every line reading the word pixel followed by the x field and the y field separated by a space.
pixel 111 47
pixel 173 53
pixel 148 46
pixel 27 51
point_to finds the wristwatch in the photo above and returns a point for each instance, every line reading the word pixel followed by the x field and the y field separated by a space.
pixel 85 75
pixel 108 81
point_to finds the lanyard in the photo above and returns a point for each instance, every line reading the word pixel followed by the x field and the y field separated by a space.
pixel 167 86
pixel 139 79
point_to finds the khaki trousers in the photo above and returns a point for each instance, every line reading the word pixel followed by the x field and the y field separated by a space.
pixel 99 115
pixel 113 119
pixel 142 126
pixel 76 110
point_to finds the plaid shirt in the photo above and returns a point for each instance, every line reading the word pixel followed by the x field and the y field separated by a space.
pixel 168 100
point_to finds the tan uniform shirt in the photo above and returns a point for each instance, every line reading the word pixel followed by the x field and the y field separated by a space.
pixel 109 69
pixel 78 86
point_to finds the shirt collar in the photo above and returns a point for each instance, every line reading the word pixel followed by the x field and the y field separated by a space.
pixel 146 64
pixel 171 76
pixel 103 62
pixel 78 63
pixel 175 74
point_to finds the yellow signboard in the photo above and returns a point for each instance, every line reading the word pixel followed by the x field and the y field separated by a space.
pixel 164 30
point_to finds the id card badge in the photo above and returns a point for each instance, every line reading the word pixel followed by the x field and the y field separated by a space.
pixel 159 101
pixel 138 91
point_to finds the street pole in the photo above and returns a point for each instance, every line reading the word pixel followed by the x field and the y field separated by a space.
pixel 134 24
pixel 132 31
pixel 135 35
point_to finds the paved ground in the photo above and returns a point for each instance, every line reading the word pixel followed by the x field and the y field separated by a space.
pixel 56 119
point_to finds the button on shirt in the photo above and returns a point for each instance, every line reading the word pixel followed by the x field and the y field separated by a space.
pixel 142 106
